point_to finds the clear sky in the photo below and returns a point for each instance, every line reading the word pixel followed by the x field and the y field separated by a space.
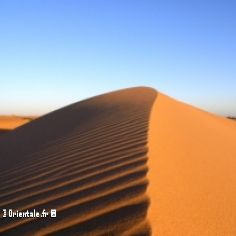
pixel 55 52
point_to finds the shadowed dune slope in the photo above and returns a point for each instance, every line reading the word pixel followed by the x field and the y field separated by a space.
pixel 87 160
pixel 192 171
pixel 3 131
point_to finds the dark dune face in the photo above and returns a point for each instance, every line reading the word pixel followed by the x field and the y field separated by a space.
pixel 3 131
pixel 87 160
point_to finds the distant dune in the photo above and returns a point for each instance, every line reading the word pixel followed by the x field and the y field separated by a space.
pixel 11 122
pixel 231 117
pixel 131 162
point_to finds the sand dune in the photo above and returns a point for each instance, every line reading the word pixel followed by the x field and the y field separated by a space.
pixel 88 161
pixel 192 171
pixel 131 162
pixel 11 122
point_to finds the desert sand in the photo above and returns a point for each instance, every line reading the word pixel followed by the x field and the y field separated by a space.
pixel 192 171
pixel 87 160
pixel 11 122
pixel 130 162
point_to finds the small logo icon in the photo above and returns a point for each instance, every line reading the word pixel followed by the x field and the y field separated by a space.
pixel 53 213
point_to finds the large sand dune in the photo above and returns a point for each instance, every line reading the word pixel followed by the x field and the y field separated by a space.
pixel 88 161
pixel 129 162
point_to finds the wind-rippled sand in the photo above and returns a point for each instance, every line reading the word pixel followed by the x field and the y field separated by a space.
pixel 131 162
pixel 88 161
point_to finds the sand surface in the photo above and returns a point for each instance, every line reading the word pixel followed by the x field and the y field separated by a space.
pixel 192 171
pixel 131 162
pixel 88 161
pixel 12 122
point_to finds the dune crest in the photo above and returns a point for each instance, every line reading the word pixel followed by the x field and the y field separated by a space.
pixel 192 171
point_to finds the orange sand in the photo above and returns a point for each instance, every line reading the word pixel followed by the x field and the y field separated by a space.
pixel 116 164
pixel 12 122
pixel 192 171
pixel 88 161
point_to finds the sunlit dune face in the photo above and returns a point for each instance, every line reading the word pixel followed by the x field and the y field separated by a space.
pixel 192 163
pixel 12 122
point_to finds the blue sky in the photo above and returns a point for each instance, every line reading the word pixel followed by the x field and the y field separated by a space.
pixel 55 52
